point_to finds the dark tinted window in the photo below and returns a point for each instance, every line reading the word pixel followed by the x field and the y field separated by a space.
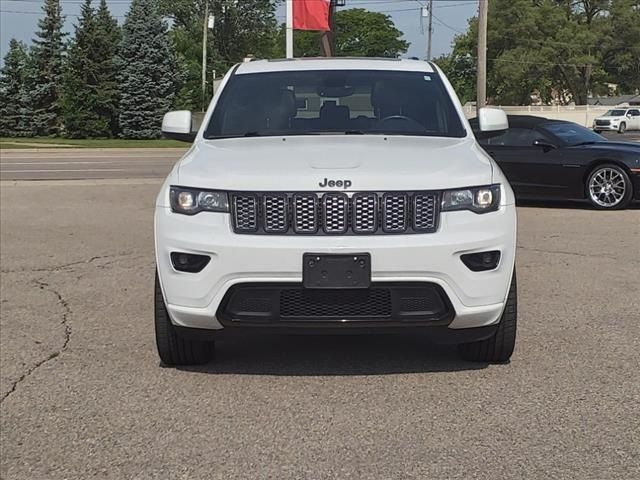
pixel 349 101
pixel 514 137
pixel 572 133
pixel 634 112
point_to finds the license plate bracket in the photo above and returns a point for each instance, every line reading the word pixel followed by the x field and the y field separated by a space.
pixel 336 271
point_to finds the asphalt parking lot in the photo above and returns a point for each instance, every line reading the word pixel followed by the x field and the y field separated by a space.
pixel 82 394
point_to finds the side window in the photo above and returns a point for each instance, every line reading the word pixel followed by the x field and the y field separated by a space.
pixel 635 113
pixel 497 140
pixel 519 137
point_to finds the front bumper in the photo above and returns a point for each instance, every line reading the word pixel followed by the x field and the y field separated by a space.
pixel 477 298
pixel 603 128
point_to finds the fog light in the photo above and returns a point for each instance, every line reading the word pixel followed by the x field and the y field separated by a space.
pixel 481 261
pixel 189 262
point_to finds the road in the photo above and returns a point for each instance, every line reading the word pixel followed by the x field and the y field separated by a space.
pixel 70 164
pixel 82 394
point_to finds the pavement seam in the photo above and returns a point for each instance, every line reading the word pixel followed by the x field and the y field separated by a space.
pixel 67 337
pixel 574 254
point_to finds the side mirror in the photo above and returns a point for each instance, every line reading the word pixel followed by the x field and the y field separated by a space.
pixel 544 144
pixel 491 122
pixel 177 125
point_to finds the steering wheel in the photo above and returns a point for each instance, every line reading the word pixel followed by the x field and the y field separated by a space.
pixel 396 117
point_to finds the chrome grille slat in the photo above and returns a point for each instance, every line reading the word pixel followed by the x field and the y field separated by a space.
pixel 305 213
pixel 276 219
pixel 365 213
pixel 335 213
pixel 394 212
pixel 424 211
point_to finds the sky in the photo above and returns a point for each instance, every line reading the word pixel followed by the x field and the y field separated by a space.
pixel 18 19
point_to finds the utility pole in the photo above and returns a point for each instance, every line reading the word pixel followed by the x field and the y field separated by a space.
pixel 205 27
pixel 430 30
pixel 289 28
pixel 481 85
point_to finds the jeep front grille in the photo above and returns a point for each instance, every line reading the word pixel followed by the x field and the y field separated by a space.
pixel 335 213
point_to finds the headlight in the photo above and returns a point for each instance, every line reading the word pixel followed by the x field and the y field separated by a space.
pixel 477 199
pixel 190 201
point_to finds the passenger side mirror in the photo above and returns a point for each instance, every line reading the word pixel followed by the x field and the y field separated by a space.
pixel 178 126
pixel 491 122
pixel 546 146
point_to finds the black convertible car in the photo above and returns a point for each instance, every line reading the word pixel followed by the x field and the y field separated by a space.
pixel 553 159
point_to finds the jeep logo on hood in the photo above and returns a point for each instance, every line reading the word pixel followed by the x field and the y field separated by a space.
pixel 335 183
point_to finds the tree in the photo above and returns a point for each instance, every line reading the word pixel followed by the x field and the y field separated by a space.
pixel 12 78
pixel 358 33
pixel 242 28
pixel 44 83
pixel 81 78
pixel 106 47
pixel 147 67
pixel 563 49
pixel 621 55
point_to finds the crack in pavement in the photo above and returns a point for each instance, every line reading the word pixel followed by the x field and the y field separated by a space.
pixel 66 266
pixel 67 336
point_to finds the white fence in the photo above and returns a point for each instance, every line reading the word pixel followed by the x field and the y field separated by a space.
pixel 582 114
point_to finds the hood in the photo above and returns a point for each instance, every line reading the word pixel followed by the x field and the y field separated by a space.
pixel 611 117
pixel 617 147
pixel 310 163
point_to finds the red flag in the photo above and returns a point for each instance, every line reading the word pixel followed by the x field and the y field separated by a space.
pixel 311 15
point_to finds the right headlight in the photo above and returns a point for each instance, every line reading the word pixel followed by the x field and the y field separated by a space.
pixel 190 201
pixel 477 199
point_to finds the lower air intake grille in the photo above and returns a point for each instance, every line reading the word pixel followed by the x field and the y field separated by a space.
pixel 372 303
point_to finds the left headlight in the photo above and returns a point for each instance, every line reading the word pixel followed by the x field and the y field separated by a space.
pixel 477 199
pixel 190 201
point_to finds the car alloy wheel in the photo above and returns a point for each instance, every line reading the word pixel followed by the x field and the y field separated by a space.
pixel 607 187
pixel 622 128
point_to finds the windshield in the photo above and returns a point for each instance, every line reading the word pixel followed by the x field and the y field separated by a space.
pixel 614 113
pixel 334 102
pixel 572 133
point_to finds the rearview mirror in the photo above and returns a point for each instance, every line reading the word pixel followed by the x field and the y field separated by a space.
pixel 178 126
pixel 491 122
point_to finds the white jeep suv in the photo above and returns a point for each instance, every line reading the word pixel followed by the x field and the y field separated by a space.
pixel 335 196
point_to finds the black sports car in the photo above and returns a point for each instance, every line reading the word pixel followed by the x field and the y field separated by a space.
pixel 554 159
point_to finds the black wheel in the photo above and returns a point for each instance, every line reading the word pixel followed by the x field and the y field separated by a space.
pixel 609 187
pixel 498 348
pixel 622 128
pixel 172 349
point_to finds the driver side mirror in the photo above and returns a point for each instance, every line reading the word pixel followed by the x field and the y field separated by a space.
pixel 546 146
pixel 178 126
pixel 492 122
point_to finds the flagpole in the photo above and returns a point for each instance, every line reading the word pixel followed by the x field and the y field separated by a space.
pixel 289 28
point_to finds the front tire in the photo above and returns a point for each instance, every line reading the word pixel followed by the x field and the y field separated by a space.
pixel 609 187
pixel 172 349
pixel 622 128
pixel 499 348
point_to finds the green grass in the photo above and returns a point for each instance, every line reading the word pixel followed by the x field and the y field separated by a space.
pixel 45 142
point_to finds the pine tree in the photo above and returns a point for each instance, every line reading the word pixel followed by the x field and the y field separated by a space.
pixel 12 77
pixel 106 46
pixel 147 71
pixel 80 91
pixel 44 83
